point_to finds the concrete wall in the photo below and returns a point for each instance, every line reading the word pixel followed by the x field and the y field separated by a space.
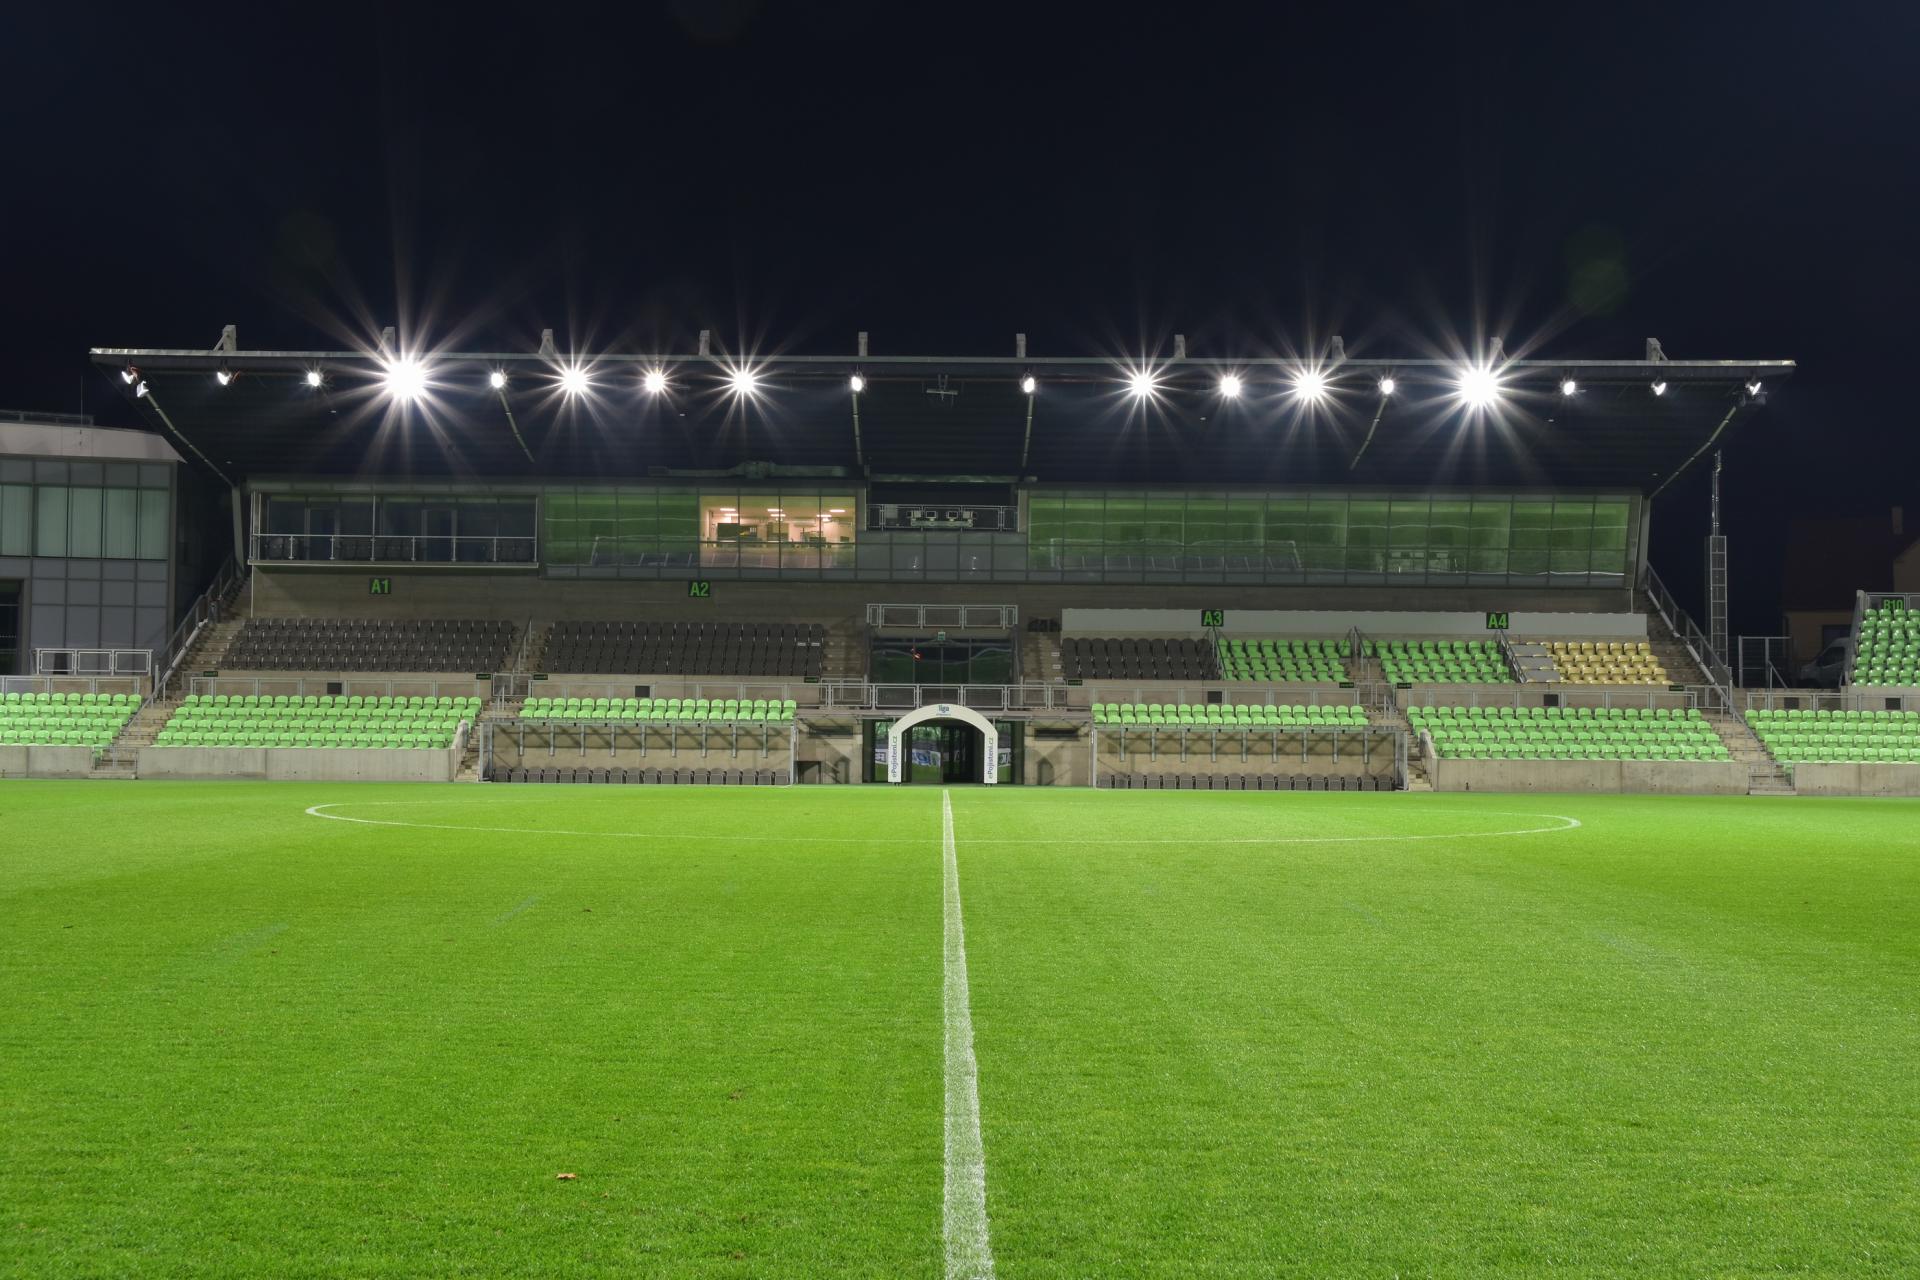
pixel 640 747
pixel 1282 754
pixel 1333 624
pixel 298 764
pixel 1057 762
pixel 45 762
pixel 1857 779
pixel 1633 777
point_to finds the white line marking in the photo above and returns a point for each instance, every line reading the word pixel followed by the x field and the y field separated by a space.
pixel 317 811
pixel 969 1254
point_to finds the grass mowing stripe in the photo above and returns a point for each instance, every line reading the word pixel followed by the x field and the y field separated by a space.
pixel 969 1253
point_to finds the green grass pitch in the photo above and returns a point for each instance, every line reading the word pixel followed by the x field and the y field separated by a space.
pixel 1217 1035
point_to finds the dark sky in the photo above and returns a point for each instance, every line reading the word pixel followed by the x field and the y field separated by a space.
pixel 1739 181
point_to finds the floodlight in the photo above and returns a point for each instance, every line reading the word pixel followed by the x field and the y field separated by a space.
pixel 1477 386
pixel 140 391
pixel 1753 388
pixel 1028 385
pixel 1310 384
pixel 573 380
pixel 655 382
pixel 406 379
pixel 1230 385
pixel 744 381
pixel 224 377
pixel 1142 383
pixel 1660 388
pixel 858 383
pixel 1568 386
pixel 497 380
pixel 313 378
pixel 129 375
pixel 1387 386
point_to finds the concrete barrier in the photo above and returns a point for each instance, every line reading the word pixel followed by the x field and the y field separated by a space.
pixel 299 764
pixel 1857 779
pixel 45 762
pixel 1628 777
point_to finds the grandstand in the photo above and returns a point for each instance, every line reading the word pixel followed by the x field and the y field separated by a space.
pixel 1345 605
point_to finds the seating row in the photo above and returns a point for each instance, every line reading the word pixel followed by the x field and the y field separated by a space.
pixel 1838 737
pixel 650 777
pixel 1217 715
pixel 1889 646
pixel 1243 782
pixel 1442 662
pixel 64 720
pixel 1561 733
pixel 659 709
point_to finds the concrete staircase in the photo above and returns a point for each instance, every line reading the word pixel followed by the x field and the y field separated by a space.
pixel 205 654
pixel 1040 658
pixel 122 755
pixel 1534 662
pixel 1764 774
pixel 844 654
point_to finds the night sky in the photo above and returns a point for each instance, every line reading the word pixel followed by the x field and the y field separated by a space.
pixel 1738 181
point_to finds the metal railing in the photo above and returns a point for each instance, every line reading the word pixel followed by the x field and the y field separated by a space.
pixel 349 686
pixel 93 662
pixel 383 549
pixel 203 612
pixel 1828 700
pixel 1691 638
pixel 1569 696
pixel 1372 695
pixel 70 684
pixel 1760 658
pixel 859 695
pixel 959 617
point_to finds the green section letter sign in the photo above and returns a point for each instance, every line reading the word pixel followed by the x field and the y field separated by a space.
pixel 1497 622
pixel 379 586
pixel 1213 617
pixel 701 590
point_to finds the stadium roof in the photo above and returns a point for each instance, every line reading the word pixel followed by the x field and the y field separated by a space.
pixel 259 413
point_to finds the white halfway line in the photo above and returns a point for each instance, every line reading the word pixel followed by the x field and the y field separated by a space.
pixel 964 1212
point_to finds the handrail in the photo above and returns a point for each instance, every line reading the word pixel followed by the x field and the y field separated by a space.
pixel 1859 621
pixel 197 616
pixel 1695 641
pixel 861 695
pixel 394 548
pixel 961 617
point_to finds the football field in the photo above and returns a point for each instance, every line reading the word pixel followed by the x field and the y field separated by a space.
pixel 334 1030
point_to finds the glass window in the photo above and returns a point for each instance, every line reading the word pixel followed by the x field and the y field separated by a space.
pixel 1447 535
pixel 1287 534
pixel 1407 536
pixel 1492 520
pixel 121 508
pixel 1572 535
pixel 83 523
pixel 1532 535
pixel 16 520
pixel 1366 535
pixel 50 535
pixel 1610 522
pixel 1327 534
pixel 154 510
pixel 1084 516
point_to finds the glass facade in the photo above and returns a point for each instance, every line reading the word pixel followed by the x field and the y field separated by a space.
pixel 1331 536
pixel 815 530
pixel 387 528
pixel 92 522
pixel 789 530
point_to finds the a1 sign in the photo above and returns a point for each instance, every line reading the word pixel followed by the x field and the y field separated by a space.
pixel 700 590
pixel 1497 621
pixel 1213 617
pixel 379 586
